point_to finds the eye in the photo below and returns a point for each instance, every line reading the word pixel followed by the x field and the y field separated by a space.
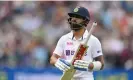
pixel 70 18
pixel 73 19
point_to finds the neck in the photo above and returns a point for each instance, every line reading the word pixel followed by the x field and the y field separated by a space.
pixel 78 34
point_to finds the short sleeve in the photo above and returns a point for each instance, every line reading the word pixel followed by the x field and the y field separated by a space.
pixel 96 48
pixel 59 47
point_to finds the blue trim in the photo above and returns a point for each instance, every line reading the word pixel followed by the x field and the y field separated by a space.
pixel 62 60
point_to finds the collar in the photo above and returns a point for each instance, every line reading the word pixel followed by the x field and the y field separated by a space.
pixel 83 37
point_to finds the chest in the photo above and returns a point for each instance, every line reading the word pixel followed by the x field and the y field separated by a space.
pixel 70 48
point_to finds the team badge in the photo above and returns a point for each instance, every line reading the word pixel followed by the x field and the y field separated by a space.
pixel 76 10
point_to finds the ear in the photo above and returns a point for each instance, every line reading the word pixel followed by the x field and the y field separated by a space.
pixel 86 22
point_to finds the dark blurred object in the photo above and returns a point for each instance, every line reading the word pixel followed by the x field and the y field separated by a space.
pixel 127 6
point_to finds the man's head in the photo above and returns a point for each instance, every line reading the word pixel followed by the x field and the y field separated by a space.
pixel 78 18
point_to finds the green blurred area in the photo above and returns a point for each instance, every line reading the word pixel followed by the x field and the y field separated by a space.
pixel 3 76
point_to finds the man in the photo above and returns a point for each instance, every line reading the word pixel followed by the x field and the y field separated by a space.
pixel 68 44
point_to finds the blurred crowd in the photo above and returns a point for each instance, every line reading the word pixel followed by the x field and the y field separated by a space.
pixel 29 31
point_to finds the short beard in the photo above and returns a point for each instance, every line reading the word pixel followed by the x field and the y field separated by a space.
pixel 76 27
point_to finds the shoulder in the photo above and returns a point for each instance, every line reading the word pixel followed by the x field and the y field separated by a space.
pixel 94 39
pixel 95 42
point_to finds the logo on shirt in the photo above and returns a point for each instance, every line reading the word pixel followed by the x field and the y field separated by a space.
pixel 71 52
pixel 69 43
pixel 98 51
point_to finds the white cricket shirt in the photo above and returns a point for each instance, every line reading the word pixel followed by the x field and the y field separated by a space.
pixel 67 46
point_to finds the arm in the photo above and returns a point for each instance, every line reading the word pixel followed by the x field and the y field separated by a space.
pixel 99 58
pixel 96 65
pixel 61 64
pixel 97 55
pixel 54 58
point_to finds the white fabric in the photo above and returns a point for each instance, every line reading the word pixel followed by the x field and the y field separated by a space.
pixel 82 78
pixel 67 46
pixel 81 64
pixel 97 65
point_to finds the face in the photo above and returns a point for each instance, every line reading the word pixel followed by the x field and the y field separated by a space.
pixel 77 20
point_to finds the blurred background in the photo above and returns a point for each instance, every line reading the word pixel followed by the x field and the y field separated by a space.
pixel 29 31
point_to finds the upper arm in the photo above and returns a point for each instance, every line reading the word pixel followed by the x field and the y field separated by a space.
pixel 96 48
pixel 57 52
pixel 97 53
pixel 59 47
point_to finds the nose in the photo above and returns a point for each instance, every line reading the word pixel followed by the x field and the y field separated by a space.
pixel 73 19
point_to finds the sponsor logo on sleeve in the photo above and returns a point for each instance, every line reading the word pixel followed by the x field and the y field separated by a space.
pixel 98 51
